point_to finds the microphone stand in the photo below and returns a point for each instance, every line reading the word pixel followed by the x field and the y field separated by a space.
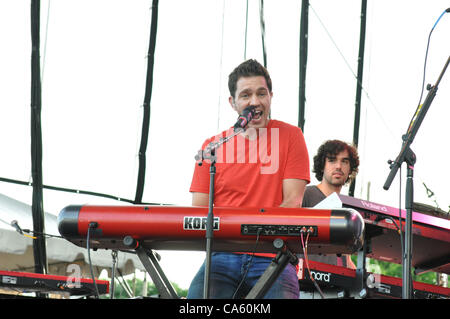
pixel 407 155
pixel 210 153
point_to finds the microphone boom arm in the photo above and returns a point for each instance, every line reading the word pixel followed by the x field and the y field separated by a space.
pixel 209 151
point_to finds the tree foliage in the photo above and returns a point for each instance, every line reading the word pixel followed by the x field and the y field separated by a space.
pixel 136 287
pixel 395 270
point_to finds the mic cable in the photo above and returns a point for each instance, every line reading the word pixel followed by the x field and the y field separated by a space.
pixel 92 225
pixel 424 70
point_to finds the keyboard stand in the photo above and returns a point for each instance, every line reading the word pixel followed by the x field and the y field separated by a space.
pixel 274 270
pixel 150 262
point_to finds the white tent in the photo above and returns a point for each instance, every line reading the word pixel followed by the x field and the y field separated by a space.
pixel 16 251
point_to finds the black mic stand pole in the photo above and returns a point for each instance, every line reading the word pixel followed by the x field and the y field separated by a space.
pixel 209 224
pixel 407 155
pixel 210 153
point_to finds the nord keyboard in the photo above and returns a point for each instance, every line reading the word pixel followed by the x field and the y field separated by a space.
pixel 342 280
pixel 235 229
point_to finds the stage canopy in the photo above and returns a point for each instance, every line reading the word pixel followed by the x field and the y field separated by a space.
pixel 108 67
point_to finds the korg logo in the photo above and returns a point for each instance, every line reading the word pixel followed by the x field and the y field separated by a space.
pixel 199 223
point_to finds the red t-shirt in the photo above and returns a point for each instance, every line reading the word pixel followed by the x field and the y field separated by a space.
pixel 249 173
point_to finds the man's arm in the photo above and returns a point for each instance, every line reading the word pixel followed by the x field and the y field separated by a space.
pixel 200 199
pixel 293 190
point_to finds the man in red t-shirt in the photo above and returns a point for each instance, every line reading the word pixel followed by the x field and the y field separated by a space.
pixel 266 166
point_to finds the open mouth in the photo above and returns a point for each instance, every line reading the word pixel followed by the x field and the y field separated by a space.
pixel 257 115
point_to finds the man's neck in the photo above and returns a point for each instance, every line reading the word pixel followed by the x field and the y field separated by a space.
pixel 328 189
pixel 254 133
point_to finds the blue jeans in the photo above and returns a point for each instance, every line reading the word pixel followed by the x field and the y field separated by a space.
pixel 227 272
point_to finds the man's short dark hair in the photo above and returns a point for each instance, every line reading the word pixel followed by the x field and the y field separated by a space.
pixel 247 69
pixel 330 149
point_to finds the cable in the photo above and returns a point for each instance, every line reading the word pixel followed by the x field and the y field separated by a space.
pixel 22 231
pixel 45 42
pixel 419 105
pixel 353 73
pixel 37 233
pixel 4 221
pixel 424 71
pixel 91 225
pixel 125 288
pixel 245 38
pixel 393 221
pixel 221 65
pixel 305 249
pixel 249 264
pixel 114 260
pixel 77 191
pixel 400 229
pixel 125 285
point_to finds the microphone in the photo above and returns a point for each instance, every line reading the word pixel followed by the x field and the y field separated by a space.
pixel 245 118
pixel 15 224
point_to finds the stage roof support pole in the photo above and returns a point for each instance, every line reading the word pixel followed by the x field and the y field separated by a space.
pixel 303 56
pixel 362 40
pixel 263 31
pixel 37 207
pixel 146 106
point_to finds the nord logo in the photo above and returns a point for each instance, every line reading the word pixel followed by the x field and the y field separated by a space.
pixel 199 223
pixel 319 276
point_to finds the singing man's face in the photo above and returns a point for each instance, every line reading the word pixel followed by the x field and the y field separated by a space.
pixel 253 91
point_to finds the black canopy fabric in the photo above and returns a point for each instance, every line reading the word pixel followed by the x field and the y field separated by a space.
pixel 147 104
pixel 39 247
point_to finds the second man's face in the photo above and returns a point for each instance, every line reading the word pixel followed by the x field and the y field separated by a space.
pixel 253 91
pixel 337 169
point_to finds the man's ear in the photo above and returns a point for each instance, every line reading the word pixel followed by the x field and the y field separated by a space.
pixel 232 103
